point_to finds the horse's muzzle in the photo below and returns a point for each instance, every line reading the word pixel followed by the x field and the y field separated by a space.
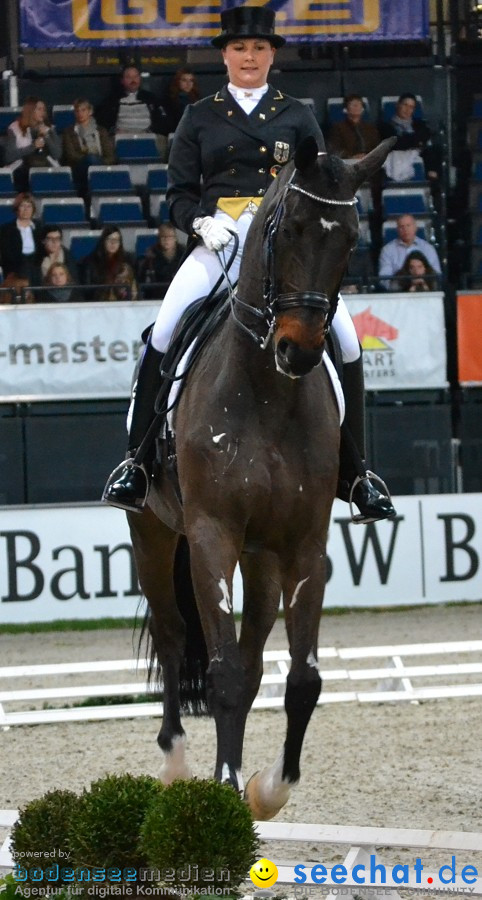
pixel 292 360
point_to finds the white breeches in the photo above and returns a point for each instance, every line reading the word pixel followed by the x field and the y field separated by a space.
pixel 200 272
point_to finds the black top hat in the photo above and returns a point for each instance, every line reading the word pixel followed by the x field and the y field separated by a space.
pixel 247 22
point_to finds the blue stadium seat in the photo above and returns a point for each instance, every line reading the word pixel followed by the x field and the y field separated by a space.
pixel 145 238
pixel 477 107
pixel 335 109
pixel 7 188
pixel 118 210
pixel 388 106
pixel 7 212
pixel 136 148
pixel 8 114
pixel 424 230
pixel 156 180
pixel 158 208
pixel 364 200
pixel 399 201
pixel 477 230
pixel 477 170
pixel 62 116
pixel 55 181
pixel 110 180
pixel 63 211
pixel 83 242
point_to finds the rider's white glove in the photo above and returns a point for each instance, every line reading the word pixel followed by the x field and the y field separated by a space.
pixel 214 234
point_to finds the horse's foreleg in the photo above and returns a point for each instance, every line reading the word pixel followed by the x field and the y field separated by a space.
pixel 154 548
pixel 214 555
pixel 269 789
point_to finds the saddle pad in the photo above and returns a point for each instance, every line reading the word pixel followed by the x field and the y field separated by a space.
pixel 183 362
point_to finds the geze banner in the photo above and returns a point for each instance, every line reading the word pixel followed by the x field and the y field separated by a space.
pixel 110 23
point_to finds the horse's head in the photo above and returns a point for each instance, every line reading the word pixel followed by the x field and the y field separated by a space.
pixel 309 233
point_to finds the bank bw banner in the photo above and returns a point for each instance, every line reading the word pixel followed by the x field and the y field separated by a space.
pixel 104 23
pixel 76 562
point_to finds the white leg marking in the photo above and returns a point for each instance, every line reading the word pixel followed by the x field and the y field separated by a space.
pixel 297 591
pixel 225 603
pixel 175 766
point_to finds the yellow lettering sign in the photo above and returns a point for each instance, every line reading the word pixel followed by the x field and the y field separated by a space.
pixel 147 12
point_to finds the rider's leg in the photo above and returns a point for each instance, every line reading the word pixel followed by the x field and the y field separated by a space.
pixel 353 481
pixel 128 485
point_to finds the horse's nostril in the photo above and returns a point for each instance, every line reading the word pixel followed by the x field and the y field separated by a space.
pixel 283 345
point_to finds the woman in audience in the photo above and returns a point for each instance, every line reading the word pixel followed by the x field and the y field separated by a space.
pixel 125 284
pixel 102 266
pixel 181 91
pixel 53 251
pixel 61 284
pixel 31 141
pixel 86 144
pixel 416 274
pixel 160 263
pixel 20 241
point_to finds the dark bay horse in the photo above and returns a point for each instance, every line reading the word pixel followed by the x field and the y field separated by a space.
pixel 257 436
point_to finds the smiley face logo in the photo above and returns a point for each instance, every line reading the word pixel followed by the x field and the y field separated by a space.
pixel 264 873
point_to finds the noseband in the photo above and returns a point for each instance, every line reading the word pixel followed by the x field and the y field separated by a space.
pixel 278 303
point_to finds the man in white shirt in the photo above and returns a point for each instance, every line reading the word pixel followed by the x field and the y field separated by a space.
pixel 394 253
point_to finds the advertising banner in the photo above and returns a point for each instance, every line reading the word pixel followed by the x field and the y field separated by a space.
pixel 89 350
pixel 469 330
pixel 76 562
pixel 76 351
pixel 108 23
pixel 403 340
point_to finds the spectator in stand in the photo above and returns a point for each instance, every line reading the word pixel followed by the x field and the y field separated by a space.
pixel 353 138
pixel 414 143
pixel 62 288
pixel 86 144
pixel 182 90
pixel 20 241
pixel 102 266
pixel 125 284
pixel 160 263
pixel 18 292
pixel 394 253
pixel 31 141
pixel 417 274
pixel 53 251
pixel 130 109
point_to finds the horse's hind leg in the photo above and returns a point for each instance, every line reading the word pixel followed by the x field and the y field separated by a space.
pixel 155 549
pixel 269 789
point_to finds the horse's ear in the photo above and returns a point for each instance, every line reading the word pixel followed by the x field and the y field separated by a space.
pixel 306 153
pixel 372 162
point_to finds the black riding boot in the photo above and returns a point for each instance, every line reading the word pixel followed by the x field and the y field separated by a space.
pixel 128 485
pixel 355 483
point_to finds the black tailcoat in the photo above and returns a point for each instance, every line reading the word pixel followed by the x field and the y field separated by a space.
pixel 220 151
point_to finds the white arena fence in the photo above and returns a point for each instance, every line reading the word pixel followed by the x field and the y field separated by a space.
pixel 360 845
pixel 399 676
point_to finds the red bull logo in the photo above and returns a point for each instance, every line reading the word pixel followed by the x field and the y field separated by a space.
pixel 373 332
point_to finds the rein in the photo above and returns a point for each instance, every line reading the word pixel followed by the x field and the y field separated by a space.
pixel 276 303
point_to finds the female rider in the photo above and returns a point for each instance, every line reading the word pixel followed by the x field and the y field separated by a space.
pixel 225 152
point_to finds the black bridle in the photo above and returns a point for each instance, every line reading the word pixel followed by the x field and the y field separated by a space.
pixel 278 303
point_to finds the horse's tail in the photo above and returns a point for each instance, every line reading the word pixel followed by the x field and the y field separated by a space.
pixel 192 677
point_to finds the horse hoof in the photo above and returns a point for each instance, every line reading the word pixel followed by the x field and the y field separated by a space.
pixel 170 773
pixel 264 804
pixel 174 766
